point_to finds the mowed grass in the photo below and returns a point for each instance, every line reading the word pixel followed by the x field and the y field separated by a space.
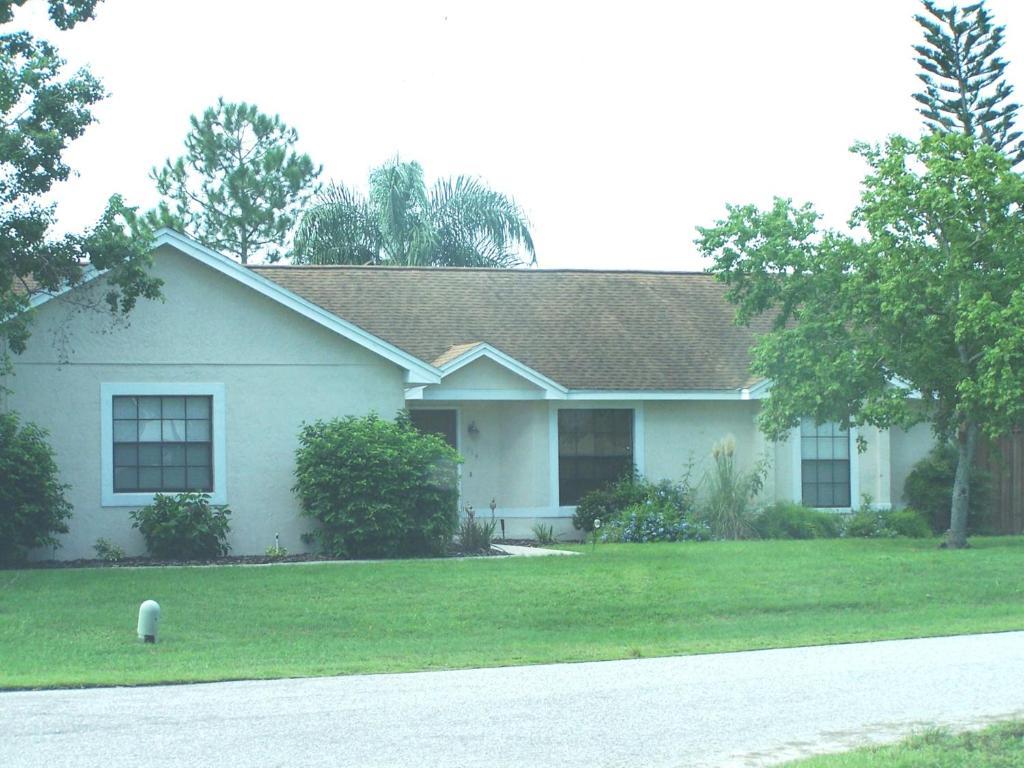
pixel 77 627
pixel 1000 746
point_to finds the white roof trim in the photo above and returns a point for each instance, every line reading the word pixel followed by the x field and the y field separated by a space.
pixel 417 372
pixel 602 395
pixel 552 388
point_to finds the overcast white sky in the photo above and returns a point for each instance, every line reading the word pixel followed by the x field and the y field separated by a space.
pixel 619 127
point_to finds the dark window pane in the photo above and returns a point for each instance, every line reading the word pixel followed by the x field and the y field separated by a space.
pixel 126 479
pixel 149 478
pixel 197 408
pixel 198 455
pixel 198 431
pixel 126 455
pixel 126 431
pixel 173 408
pixel 149 408
pixel 174 479
pixel 149 455
pixel 126 408
pixel 199 479
pixel 173 455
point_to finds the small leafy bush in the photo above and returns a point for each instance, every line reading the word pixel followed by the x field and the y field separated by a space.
pixel 648 522
pixel 789 520
pixel 609 503
pixel 32 503
pixel 729 496
pixel 908 522
pixel 183 527
pixel 475 535
pixel 107 551
pixel 377 488
pixel 276 551
pixel 867 523
pixel 929 489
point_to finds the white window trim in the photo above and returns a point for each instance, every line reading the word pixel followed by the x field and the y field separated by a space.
pixel 639 450
pixel 798 484
pixel 109 390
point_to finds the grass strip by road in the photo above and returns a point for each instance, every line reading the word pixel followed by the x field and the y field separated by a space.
pixel 1000 746
pixel 76 627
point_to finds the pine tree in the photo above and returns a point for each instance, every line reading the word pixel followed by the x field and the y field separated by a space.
pixel 964 86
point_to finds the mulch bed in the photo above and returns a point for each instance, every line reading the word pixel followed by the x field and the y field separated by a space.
pixel 140 562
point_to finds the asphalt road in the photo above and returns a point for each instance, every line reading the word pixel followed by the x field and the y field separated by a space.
pixel 754 708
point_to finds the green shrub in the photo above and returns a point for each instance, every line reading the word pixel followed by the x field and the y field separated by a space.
pixel 183 527
pixel 32 503
pixel 789 520
pixel 929 489
pixel 107 551
pixel 729 496
pixel 867 523
pixel 909 523
pixel 609 503
pixel 653 521
pixel 378 488
pixel 475 535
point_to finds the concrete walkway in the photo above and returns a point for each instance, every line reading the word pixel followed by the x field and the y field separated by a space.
pixel 740 709
pixel 519 551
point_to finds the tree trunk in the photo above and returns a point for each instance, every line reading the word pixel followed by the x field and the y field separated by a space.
pixel 956 538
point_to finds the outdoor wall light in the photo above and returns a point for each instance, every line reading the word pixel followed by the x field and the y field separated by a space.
pixel 473 429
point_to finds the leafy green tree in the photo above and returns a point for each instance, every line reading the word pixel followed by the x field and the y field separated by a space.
pixel 964 88
pixel 240 184
pixel 42 112
pixel 920 319
pixel 458 222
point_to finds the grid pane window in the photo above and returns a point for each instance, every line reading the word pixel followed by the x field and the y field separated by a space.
pixel 595 448
pixel 824 465
pixel 162 444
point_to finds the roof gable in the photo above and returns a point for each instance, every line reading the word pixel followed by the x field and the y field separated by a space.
pixel 655 332
pixel 417 371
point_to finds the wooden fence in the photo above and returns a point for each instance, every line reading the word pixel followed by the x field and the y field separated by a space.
pixel 1004 459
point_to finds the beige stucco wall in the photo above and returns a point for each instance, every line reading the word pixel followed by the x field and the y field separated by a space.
pixel 909 446
pixel 678 434
pixel 278 369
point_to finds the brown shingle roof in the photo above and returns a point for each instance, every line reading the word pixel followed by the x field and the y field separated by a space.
pixel 584 329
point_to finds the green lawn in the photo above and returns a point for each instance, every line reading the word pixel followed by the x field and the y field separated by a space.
pixel 1001 746
pixel 76 627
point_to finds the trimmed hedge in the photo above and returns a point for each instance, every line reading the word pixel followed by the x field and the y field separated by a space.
pixel 377 488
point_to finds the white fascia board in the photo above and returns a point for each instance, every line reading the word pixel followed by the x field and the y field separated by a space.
pixel 640 394
pixel 589 395
pixel 476 394
pixel 417 372
pixel 508 362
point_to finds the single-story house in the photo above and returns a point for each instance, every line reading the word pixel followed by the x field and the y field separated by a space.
pixel 548 382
